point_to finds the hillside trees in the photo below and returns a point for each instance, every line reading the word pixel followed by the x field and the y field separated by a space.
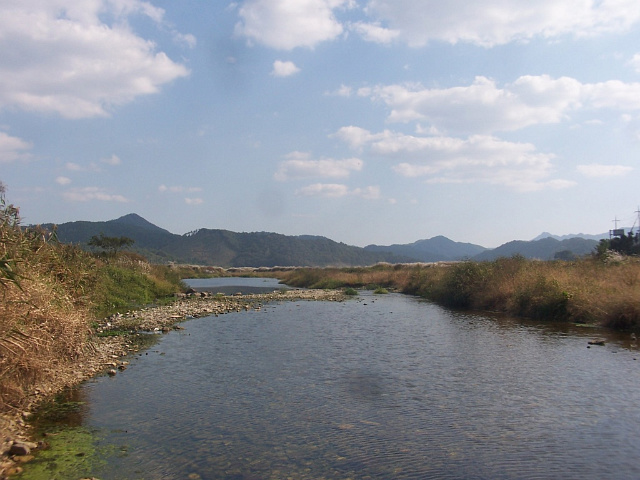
pixel 110 245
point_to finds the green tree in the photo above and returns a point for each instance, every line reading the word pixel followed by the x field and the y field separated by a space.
pixel 625 244
pixel 110 245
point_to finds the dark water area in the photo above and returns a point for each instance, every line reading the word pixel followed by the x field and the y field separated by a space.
pixel 233 285
pixel 378 387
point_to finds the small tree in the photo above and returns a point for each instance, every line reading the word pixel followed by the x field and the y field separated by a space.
pixel 110 245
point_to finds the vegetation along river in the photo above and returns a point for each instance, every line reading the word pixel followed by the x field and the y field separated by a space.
pixel 377 387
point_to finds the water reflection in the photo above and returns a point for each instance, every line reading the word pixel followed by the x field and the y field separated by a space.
pixel 384 387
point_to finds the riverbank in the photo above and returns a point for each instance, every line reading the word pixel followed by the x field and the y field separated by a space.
pixel 598 290
pixel 112 340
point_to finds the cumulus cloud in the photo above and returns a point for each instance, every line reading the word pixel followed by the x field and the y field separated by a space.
pixel 496 22
pixel 374 32
pixel 484 107
pixel 300 165
pixel 597 170
pixel 284 69
pixel 337 190
pixel 63 57
pixel 87 194
pixel 63 180
pixel 287 24
pixel 13 148
pixel 476 159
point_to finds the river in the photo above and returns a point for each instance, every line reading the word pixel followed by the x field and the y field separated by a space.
pixel 376 387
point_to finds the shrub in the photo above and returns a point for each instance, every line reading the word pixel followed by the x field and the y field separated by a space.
pixel 461 283
pixel 543 299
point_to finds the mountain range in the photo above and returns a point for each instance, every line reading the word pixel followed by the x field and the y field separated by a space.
pixel 264 249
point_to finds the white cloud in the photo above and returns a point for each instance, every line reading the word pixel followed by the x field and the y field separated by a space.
pixel 113 160
pixel 63 180
pixel 13 148
pixel 331 190
pixel 284 69
pixel 343 91
pixel 374 32
pixel 483 107
pixel 74 167
pixel 178 189
pixel 337 190
pixel 495 22
pixel 287 24
pixel 368 193
pixel 60 56
pixel 185 38
pixel 88 194
pixel 300 165
pixel 598 170
pixel 476 159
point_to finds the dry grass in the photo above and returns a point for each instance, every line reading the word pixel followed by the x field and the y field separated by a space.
pixel 49 296
pixel 42 331
pixel 587 291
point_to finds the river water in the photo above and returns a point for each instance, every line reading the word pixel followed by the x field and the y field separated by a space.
pixel 376 387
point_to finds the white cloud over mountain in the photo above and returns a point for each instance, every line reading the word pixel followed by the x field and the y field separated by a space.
pixel 337 190
pixel 440 159
pixel 484 107
pixel 87 194
pixel 62 57
pixel 299 165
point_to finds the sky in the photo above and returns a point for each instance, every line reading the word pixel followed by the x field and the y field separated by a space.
pixel 365 121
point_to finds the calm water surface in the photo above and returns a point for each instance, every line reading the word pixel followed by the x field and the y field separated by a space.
pixel 378 387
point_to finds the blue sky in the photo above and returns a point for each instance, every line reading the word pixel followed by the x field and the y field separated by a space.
pixel 369 121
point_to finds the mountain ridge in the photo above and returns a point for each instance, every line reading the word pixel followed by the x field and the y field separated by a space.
pixel 264 249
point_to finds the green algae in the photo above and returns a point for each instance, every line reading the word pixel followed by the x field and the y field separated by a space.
pixel 70 453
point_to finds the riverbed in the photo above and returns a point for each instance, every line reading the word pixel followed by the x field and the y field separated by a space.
pixel 375 387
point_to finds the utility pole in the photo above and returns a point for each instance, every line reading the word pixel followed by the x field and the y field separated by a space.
pixel 615 232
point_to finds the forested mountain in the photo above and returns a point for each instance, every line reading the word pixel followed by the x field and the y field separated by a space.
pixel 222 247
pixel 544 249
pixel 264 249
pixel 431 250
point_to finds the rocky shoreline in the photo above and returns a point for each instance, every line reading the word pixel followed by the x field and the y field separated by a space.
pixel 112 342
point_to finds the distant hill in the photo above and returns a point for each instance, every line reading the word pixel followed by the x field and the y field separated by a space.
pixel 587 236
pixel 431 250
pixel 543 249
pixel 264 249
pixel 222 247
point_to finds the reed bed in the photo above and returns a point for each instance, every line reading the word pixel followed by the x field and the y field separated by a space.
pixel 590 290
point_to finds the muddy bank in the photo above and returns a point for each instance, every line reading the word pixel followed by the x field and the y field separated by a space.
pixel 114 339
